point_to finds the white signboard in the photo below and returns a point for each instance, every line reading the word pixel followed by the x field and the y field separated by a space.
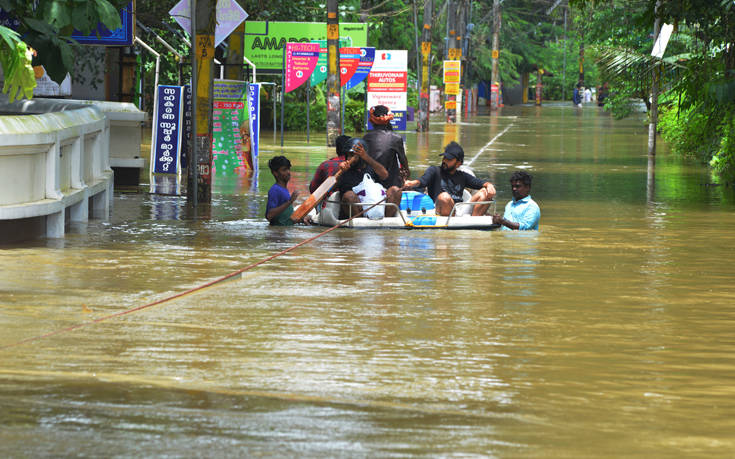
pixel 229 15
pixel 387 80
pixel 663 39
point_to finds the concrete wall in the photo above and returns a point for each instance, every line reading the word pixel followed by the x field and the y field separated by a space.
pixel 54 164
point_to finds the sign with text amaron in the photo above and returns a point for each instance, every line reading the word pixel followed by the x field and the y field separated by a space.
pixel 301 59
pixel 387 84
pixel 265 40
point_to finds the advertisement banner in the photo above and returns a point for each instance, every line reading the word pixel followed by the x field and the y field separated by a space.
pixel 254 122
pixel 265 40
pixel 228 117
pixel 349 58
pixel 387 84
pixel 367 58
pixel 452 71
pixel 301 59
pixel 320 72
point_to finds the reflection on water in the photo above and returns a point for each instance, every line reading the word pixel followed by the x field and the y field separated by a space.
pixel 602 335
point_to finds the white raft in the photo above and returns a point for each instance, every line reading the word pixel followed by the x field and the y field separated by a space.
pixel 416 212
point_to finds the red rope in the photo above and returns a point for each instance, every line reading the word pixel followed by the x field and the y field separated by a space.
pixel 187 292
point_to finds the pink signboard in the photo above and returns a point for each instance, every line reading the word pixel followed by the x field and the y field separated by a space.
pixel 301 59
pixel 349 59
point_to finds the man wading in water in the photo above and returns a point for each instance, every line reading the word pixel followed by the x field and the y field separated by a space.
pixel 386 147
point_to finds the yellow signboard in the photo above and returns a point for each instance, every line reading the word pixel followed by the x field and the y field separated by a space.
pixel 450 105
pixel 495 54
pixel 452 71
pixel 451 89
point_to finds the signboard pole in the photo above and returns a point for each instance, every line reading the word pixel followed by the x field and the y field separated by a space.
pixel 333 73
pixel 308 103
pixel 283 91
pixel 193 191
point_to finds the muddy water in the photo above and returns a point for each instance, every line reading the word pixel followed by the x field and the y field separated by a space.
pixel 609 333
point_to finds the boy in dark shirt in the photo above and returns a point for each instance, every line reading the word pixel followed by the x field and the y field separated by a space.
pixel 280 202
pixel 446 184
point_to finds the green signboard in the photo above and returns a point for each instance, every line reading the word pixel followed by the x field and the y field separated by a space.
pixel 265 40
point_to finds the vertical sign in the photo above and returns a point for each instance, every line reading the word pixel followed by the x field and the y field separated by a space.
pixel 254 113
pixel 367 57
pixel 301 59
pixel 228 117
pixel 452 77
pixel 349 59
pixel 186 137
pixel 166 141
pixel 387 84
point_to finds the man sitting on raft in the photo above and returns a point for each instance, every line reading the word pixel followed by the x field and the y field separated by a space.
pixel 446 184
pixel 352 176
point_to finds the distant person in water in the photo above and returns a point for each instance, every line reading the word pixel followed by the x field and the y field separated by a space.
pixel 386 147
pixel 522 213
pixel 279 208
pixel 577 95
pixel 445 184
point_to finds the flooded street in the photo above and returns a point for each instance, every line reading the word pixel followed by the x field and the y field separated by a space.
pixel 608 333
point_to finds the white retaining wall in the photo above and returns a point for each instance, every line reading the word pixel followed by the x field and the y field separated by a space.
pixel 54 162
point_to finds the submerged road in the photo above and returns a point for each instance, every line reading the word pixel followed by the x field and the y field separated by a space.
pixel 605 334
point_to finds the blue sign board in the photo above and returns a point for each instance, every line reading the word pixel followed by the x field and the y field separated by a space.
pixel 103 36
pixel 166 142
pixel 367 57
pixel 398 123
pixel 254 113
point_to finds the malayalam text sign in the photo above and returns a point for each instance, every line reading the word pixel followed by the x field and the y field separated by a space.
pixel 228 115
pixel 166 142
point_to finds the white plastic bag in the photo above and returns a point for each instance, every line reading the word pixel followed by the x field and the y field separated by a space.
pixel 369 192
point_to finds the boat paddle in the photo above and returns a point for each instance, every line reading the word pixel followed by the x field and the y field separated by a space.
pixel 319 194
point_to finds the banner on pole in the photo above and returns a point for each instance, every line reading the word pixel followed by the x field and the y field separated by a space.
pixel 367 58
pixel 387 84
pixel 320 72
pixel 301 59
pixel 254 123
pixel 349 59
pixel 230 119
pixel 166 140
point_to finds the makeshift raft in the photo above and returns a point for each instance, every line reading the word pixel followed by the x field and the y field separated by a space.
pixel 416 212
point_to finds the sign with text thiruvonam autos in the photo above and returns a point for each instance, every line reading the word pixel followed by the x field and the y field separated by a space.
pixel 387 84
pixel 265 40
pixel 166 140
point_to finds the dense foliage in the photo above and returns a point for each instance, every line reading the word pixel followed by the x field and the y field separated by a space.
pixel 697 73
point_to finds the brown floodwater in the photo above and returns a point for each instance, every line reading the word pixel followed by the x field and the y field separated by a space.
pixel 609 333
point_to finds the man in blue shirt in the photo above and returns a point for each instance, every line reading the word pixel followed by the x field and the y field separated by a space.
pixel 522 213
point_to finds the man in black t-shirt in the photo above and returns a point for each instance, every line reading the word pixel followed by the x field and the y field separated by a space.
pixel 352 176
pixel 446 184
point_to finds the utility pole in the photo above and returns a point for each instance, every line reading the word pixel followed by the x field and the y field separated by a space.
pixel 494 83
pixel 205 20
pixel 652 125
pixel 423 124
pixel 452 54
pixel 461 25
pixel 333 77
